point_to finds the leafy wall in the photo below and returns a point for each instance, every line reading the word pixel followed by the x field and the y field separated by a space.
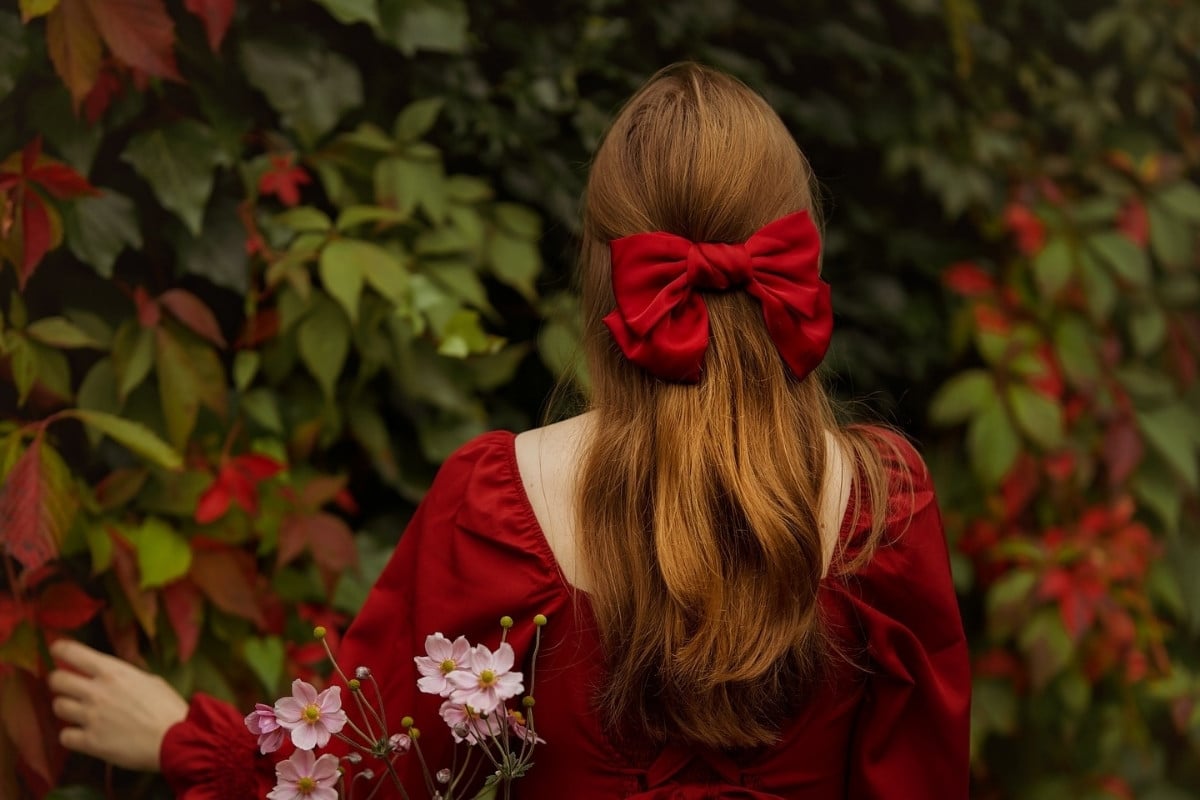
pixel 268 263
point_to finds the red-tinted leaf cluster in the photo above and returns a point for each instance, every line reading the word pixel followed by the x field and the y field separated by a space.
pixel 283 179
pixel 1026 227
pixel 60 606
pixel 237 481
pixel 24 214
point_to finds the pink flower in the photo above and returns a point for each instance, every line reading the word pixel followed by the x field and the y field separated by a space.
pixel 488 680
pixel 465 723
pixel 399 743
pixel 443 658
pixel 263 723
pixel 306 777
pixel 312 718
pixel 516 724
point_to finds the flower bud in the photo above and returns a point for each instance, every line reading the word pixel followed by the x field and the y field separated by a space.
pixel 443 776
pixel 527 701
pixel 539 620
pixel 414 733
pixel 353 758
pixel 362 673
pixel 407 722
pixel 354 684
pixel 399 743
pixel 506 622
pixel 319 631
pixel 367 774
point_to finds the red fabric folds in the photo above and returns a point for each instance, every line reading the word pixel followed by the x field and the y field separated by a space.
pixel 661 320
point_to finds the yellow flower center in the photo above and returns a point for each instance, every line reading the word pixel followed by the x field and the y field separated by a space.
pixel 487 678
pixel 306 785
pixel 448 666
pixel 312 713
pixel 518 716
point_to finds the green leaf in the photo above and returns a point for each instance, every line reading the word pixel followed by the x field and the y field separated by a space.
pixel 219 254
pixel 1075 347
pixel 163 555
pixel 1099 289
pixel 309 84
pixel 349 12
pixel 60 332
pixel 131 434
pixel 962 396
pixel 1157 488
pixel 1123 256
pixel 323 339
pixel 179 162
pixel 245 367
pixel 518 220
pixel 468 189
pixel 1181 199
pixel 304 218
pixel 178 388
pixel 516 262
pixel 341 271
pixel 992 444
pixel 132 356
pixel 1173 431
pixel 417 118
pixel 265 656
pixel 354 216
pixel 1052 267
pixel 1170 236
pixel 100 228
pixel 1047 646
pixel 405 183
pixel 1148 330
pixel 24 366
pixel 14 50
pixel 412 25
pixel 1039 416
pixel 261 406
pixel 462 335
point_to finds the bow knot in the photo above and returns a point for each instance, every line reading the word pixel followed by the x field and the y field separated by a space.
pixel 661 320
pixel 713 265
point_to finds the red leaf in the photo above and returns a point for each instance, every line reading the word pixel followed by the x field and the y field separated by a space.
pixel 1123 449
pixel 256 466
pixel 1134 222
pixel 259 328
pixel 320 490
pixel 225 576
pixel 143 602
pixel 1076 612
pixel 213 503
pixel 192 312
pixel 35 234
pixel 242 489
pixel 328 539
pixel 216 16
pixel 32 514
pixel 139 33
pixel 968 280
pixel 108 85
pixel 148 311
pixel 990 319
pixel 1028 229
pixel 74 47
pixel 60 180
pixel 185 611
pixel 64 606
pixel 283 180
pixel 25 712
pixel 12 613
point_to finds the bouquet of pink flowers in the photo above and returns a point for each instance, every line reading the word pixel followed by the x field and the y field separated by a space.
pixel 477 684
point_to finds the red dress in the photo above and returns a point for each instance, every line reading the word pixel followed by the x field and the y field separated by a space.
pixel 892 728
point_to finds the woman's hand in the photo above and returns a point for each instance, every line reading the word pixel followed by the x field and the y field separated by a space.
pixel 114 710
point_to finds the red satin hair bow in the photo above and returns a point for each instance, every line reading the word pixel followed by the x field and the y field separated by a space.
pixel 661 320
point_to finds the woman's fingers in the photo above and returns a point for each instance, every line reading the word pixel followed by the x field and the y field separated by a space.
pixel 68 709
pixel 82 658
pixel 68 683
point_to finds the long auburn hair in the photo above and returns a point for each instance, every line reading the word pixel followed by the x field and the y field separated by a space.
pixel 698 506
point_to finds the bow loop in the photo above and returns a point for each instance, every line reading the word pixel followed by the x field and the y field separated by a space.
pixel 661 320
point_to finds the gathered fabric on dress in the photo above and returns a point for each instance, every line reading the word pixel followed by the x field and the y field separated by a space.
pixel 889 722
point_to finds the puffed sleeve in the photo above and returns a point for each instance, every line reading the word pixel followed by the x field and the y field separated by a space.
pixel 461 564
pixel 911 738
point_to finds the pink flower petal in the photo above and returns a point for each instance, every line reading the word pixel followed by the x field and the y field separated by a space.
pixel 304 693
pixel 330 700
pixel 325 768
pixel 459 649
pixel 438 647
pixel 270 742
pixel 504 658
pixel 306 737
pixel 289 710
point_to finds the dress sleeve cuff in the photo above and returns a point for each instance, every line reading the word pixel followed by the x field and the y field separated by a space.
pixel 211 756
